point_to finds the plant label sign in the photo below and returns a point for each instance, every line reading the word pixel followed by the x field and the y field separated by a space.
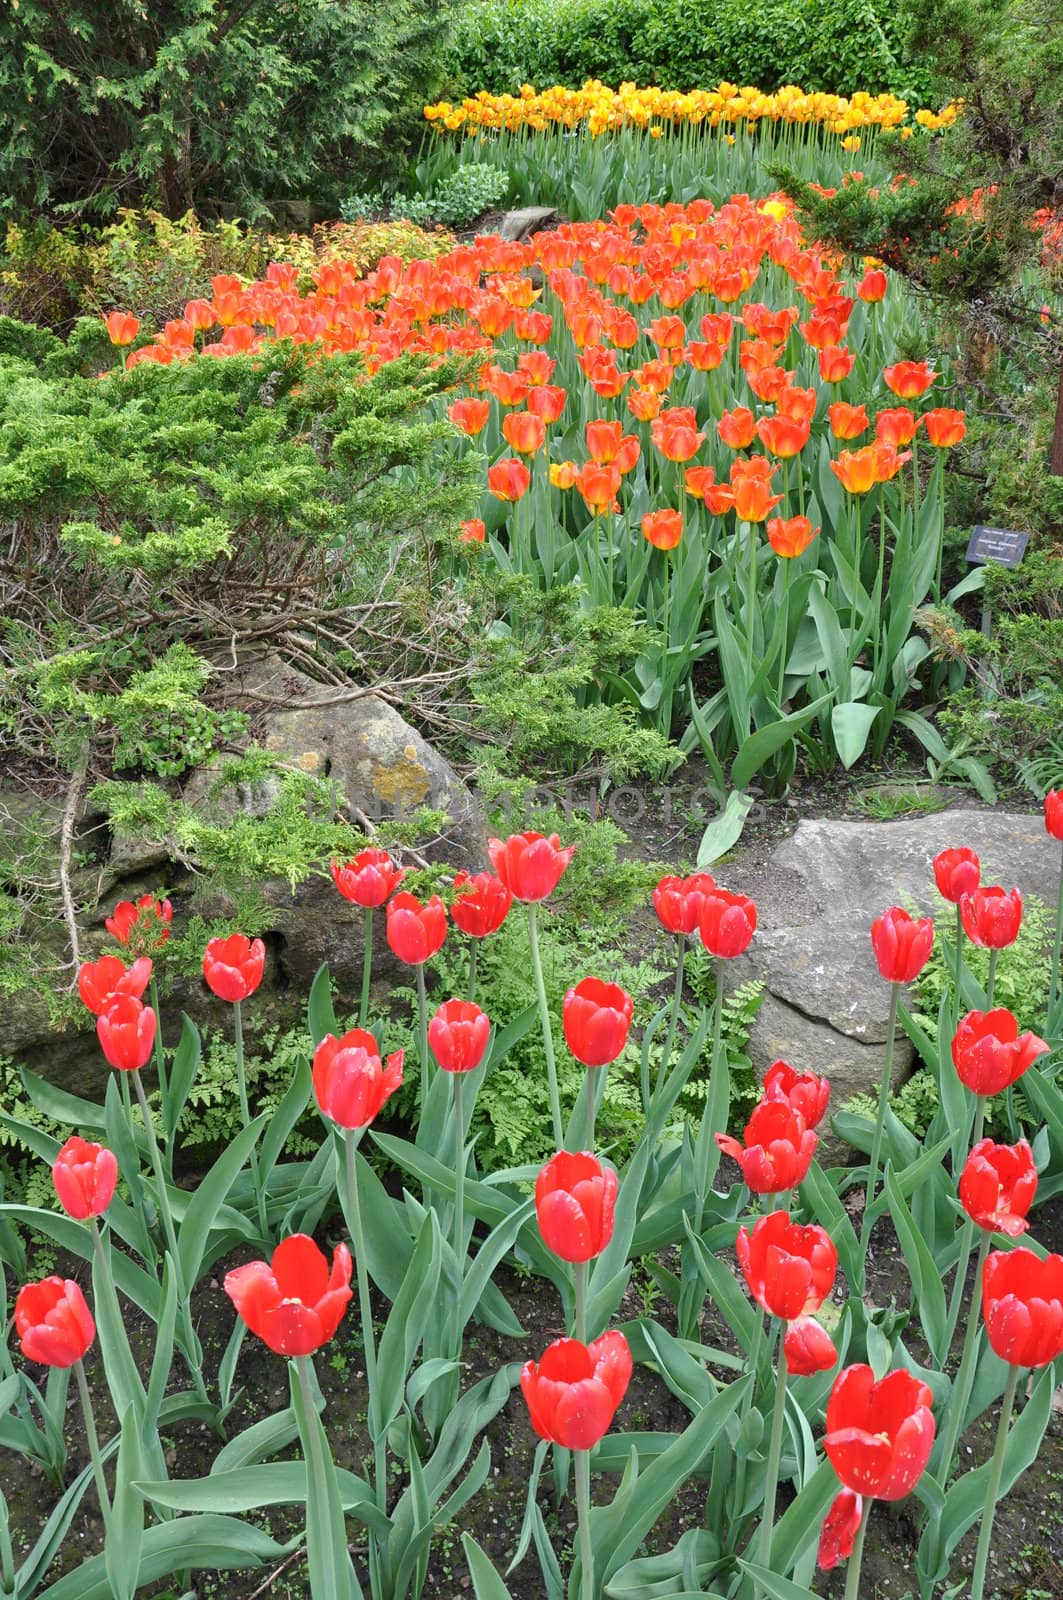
pixel 1006 545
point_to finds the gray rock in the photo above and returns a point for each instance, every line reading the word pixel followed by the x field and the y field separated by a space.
pixel 825 1006
pixel 520 224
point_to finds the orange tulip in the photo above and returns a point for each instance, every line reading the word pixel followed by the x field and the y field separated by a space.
pixel 547 400
pixel 873 286
pixel 887 462
pixel 508 479
pixel 603 439
pixel 799 404
pixel 895 427
pixel 822 331
pixel 122 327
pixel 469 414
pixel 525 432
pixel 628 454
pixel 856 469
pixel 945 428
pixel 536 366
pixel 668 333
pixel 846 421
pixel 473 531
pixel 622 330
pixel 909 379
pixel 644 404
pixel 697 479
pixel 533 327
pixel 663 529
pixel 677 440
pixel 508 388
pixel 655 375
pixel 716 327
pixel 600 368
pixel 598 483
pixel 791 537
pixel 784 436
pixel 563 474
pixel 751 485
pixel 835 363
pixel 768 383
pixel 200 313
pixel 705 356
pixel 737 428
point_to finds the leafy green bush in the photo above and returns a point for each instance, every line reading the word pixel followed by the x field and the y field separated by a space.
pixel 103 104
pixel 680 44
pixel 469 191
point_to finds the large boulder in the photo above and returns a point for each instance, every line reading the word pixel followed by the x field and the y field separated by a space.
pixel 825 1006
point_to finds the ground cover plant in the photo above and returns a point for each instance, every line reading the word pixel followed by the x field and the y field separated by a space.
pixel 894 1406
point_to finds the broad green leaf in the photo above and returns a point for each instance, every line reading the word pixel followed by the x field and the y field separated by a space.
pixel 328 1559
pixel 265 1438
pixel 181 1076
pixel 125 1528
pixel 60 1106
pixel 774 1586
pixel 851 725
pixel 294 1102
pixel 320 1015
pixel 487 1585
pixel 201 1214
pixel 415 1306
pixel 188 1543
pixel 724 831
pixel 759 747
pixel 928 1294
pixel 277 1483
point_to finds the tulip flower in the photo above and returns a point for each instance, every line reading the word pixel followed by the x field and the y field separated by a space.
pixel 991 917
pixel 99 981
pixel 458 1036
pixel 350 1082
pixel 598 485
pixel 233 967
pixel 872 287
pixel 696 480
pixel 596 1016
pixel 473 531
pixel 547 401
pixel 530 865
pixel 122 328
pixel 84 1175
pixel 901 944
pixel 777 1148
pixel 783 436
pixel 856 470
pixel 677 901
pixel 1054 828
pixel 909 379
pixel 846 421
pixel 604 440
pixel 524 432
pixel 896 427
pixel 126 1031
pixel 751 489
pixel 508 480
pixel 886 459
pixel 293 1303
pixel 1022 1297
pixel 145 924
pixel 956 873
pixel 944 428
pixel 369 878
pixel 470 415
pixel 997 1186
pixel 789 1269
pixel 676 440
pixel 990 1054
pixel 835 363
pixel 644 404
pixel 803 1092
pixel 737 428
pixel 808 1348
pixel 798 404
pixel 878 1440
pixel 663 529
pixel 1054 813
pixel 482 905
pixel 792 537
pixel 575 1199
pixel 415 932
pixel 726 922
pixel 573 1391
pixel 53 1322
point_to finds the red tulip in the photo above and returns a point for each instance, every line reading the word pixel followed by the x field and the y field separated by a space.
pixel 415 931
pixel 350 1082
pixel 789 1269
pixel 909 379
pixel 473 531
pixel 956 873
pixel 294 1303
pixel 53 1322
pixel 482 906
pixel 126 1031
pixel 873 286
pixel 531 865
pixel 1054 813
pixel 84 1175
pixel 803 1092
pixel 991 917
pixel 575 1198
pixel 572 1393
pixel 1022 1297
pixel 901 944
pixel 808 1348
pixel 233 966
pixel 508 479
pixel 879 1435
pixel 997 1186
pixel 777 1150
pixel 677 901
pixel 596 1017
pixel 990 1054
pixel 99 981
pixel 840 1528
pixel 145 924
pixel 458 1035
pixel 368 879
pixel 726 922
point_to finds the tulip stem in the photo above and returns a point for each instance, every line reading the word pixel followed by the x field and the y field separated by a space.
pixel 996 1470
pixel 959 1282
pixel 583 1512
pixel 459 1207
pixel 367 968
pixel 353 1213
pixel 160 1054
pixel 991 981
pixel 579 1284
pixel 1053 982
pixel 93 1440
pixel 771 1482
pixel 673 1015
pixel 192 1355
pixel 961 1388
pixel 880 1124
pixel 544 1016
pixel 422 1039
pixel 959 968
pixel 852 1576
pixel 245 1112
pixel 473 952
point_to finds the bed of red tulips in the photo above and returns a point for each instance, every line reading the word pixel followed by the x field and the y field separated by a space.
pixel 690 412
pixel 807 1353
